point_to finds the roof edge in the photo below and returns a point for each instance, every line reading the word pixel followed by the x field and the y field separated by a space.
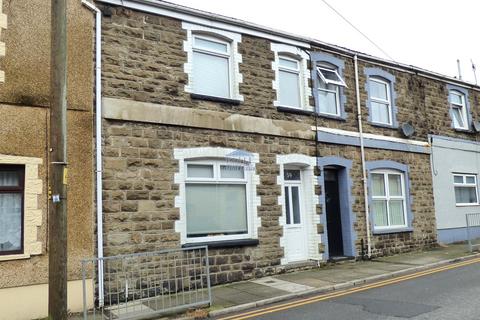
pixel 150 5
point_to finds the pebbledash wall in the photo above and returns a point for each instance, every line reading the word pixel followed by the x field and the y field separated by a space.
pixel 24 117
pixel 154 124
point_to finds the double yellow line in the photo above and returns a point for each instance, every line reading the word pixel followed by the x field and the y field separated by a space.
pixel 335 294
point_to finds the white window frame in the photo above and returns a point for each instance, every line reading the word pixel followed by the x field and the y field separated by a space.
pixel 297 72
pixel 220 36
pixel 337 85
pixel 466 184
pixel 221 155
pixel 388 197
pixel 292 53
pixel 462 107
pixel 340 82
pixel 387 102
pixel 217 179
pixel 227 55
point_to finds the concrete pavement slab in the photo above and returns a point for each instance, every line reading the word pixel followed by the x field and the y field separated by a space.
pixel 259 290
pixel 282 284
pixel 304 279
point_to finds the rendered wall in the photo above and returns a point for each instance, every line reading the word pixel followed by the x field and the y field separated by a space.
pixel 24 132
pixel 452 156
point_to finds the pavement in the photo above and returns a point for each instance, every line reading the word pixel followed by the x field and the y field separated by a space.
pixel 235 297
pixel 447 292
pixel 245 295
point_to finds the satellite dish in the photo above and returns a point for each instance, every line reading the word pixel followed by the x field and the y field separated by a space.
pixel 407 129
pixel 476 126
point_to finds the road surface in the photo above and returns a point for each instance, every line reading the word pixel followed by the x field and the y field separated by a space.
pixel 451 294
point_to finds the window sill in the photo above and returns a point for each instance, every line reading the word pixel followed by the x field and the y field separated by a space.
pixel 393 230
pixel 295 110
pixel 383 125
pixel 197 96
pixel 467 205
pixel 463 130
pixel 331 116
pixel 223 244
pixel 14 256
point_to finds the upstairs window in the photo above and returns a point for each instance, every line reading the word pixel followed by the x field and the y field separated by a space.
pixel 458 109
pixel 11 209
pixel 388 199
pixel 380 101
pixel 329 89
pixel 465 189
pixel 381 98
pixel 289 94
pixel 213 63
pixel 291 81
pixel 211 66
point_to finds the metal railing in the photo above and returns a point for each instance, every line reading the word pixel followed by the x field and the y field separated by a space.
pixel 141 285
pixel 473 230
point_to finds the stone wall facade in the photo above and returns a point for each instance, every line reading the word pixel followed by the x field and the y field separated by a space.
pixel 144 59
pixel 139 193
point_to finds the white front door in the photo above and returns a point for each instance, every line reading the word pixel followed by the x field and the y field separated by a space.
pixel 295 231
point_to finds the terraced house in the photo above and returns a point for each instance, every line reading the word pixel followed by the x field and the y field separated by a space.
pixel 25 160
pixel 275 150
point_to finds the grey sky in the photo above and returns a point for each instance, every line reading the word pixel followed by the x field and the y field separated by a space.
pixel 425 33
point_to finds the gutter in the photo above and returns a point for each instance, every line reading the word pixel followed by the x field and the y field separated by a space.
pixel 98 141
pixel 154 6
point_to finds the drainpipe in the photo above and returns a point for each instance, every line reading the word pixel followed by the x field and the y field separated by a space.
pixel 362 151
pixel 98 142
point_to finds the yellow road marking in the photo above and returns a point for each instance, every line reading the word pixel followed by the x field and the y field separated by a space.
pixel 335 294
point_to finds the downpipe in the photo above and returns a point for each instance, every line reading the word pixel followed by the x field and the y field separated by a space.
pixel 362 151
pixel 98 142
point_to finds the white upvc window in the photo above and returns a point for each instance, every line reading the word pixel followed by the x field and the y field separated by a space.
pixel 466 193
pixel 380 101
pixel 213 62
pixel 211 66
pixel 217 197
pixel 329 89
pixel 292 76
pixel 388 199
pixel 459 109
pixel 290 86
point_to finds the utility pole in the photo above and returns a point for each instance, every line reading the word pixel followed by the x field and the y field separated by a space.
pixel 57 222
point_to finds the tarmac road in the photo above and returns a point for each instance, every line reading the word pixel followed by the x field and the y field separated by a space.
pixel 450 294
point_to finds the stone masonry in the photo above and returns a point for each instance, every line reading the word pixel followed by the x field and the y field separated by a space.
pixel 139 193
pixel 143 60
